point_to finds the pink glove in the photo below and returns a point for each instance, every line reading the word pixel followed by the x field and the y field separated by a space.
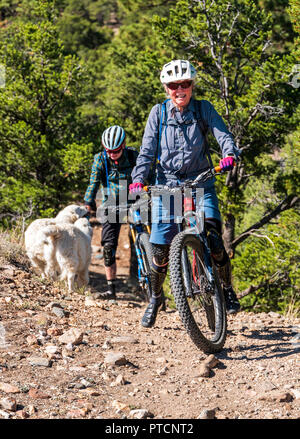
pixel 135 188
pixel 227 163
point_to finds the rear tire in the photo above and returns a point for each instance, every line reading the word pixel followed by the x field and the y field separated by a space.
pixel 200 307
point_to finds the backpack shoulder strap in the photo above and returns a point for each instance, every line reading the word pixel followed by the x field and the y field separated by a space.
pixel 204 129
pixel 203 125
pixel 106 171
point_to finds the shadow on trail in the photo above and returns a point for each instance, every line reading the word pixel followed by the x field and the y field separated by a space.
pixel 126 291
pixel 278 344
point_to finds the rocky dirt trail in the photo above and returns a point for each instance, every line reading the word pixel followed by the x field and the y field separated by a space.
pixel 74 356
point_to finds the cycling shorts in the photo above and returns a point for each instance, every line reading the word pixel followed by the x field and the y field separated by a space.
pixel 165 214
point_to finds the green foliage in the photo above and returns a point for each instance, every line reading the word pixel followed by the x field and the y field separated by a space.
pixel 80 25
pixel 8 9
pixel 125 71
pixel 294 13
pixel 131 11
pixel 128 85
pixel 282 32
pixel 271 258
pixel 40 122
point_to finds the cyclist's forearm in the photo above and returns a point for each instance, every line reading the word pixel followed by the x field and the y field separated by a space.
pixel 95 181
pixel 91 192
pixel 141 171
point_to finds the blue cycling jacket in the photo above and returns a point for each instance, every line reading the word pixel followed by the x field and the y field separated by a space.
pixel 182 151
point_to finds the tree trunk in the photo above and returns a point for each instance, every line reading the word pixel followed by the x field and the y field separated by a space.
pixel 228 234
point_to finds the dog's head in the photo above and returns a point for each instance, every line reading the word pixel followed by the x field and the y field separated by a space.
pixel 83 224
pixel 72 213
pixel 68 218
pixel 80 211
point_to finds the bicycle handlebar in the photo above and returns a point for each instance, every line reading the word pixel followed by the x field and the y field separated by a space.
pixel 204 176
pixel 123 208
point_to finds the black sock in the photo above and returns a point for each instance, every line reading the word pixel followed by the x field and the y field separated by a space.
pixel 111 286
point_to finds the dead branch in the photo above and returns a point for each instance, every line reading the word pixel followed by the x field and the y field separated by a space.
pixel 288 203
pixel 275 277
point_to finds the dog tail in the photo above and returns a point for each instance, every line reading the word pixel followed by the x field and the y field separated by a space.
pixel 49 235
pixel 53 232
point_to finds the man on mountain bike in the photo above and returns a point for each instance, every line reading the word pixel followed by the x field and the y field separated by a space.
pixel 178 145
pixel 110 166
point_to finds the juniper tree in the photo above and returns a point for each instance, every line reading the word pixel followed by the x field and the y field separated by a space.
pixel 43 145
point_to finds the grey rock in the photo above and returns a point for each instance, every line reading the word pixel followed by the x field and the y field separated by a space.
pixel 115 359
pixel 140 414
pixel 73 336
pixel 4 415
pixel 124 339
pixel 59 312
pixel 296 393
pixel 207 414
pixel 8 404
pixel 211 361
pixel 39 361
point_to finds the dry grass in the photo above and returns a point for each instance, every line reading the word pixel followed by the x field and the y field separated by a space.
pixel 12 251
pixel 292 312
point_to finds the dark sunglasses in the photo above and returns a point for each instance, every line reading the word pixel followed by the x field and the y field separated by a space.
pixel 176 85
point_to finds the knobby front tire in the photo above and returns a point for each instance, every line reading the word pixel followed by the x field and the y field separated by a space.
pixel 201 309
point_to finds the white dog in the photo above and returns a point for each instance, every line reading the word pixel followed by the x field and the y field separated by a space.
pixel 69 246
pixel 37 249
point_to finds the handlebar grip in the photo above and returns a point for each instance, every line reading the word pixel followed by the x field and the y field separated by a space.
pixel 217 169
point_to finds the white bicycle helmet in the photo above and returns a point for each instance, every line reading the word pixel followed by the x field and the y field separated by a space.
pixel 113 137
pixel 177 70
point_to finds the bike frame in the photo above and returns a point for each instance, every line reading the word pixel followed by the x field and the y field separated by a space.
pixel 136 228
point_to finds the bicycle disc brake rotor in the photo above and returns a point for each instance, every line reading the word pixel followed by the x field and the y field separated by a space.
pixel 201 284
pixel 201 300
